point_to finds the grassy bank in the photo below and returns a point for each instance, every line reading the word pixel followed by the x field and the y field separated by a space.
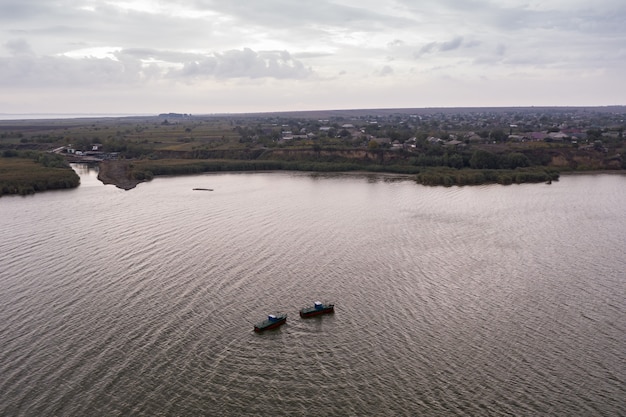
pixel 146 169
pixel 450 177
pixel 33 172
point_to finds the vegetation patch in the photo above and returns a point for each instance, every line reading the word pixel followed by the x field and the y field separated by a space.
pixel 29 172
pixel 147 169
pixel 449 177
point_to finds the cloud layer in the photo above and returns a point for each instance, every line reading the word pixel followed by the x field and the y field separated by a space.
pixel 207 56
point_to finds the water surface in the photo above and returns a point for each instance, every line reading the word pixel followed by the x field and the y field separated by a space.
pixel 487 300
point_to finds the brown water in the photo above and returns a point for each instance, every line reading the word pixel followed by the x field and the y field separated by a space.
pixel 478 301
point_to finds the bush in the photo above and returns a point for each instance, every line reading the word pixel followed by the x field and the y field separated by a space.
pixel 448 177
pixel 483 160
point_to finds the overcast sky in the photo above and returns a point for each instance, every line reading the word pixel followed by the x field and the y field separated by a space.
pixel 231 56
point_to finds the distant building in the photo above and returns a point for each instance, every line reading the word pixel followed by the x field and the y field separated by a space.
pixel 454 143
pixel 433 139
pixel 558 136
pixel 538 135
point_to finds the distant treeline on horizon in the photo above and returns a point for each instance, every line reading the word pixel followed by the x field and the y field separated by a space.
pixel 320 112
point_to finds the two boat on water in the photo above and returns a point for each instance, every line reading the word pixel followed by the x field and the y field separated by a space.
pixel 274 321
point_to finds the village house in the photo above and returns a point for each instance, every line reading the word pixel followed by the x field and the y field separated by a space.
pixel 558 136
pixel 433 139
pixel 454 143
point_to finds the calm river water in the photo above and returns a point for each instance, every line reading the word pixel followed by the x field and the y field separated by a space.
pixel 482 301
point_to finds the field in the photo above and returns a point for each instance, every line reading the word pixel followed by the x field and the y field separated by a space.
pixel 149 133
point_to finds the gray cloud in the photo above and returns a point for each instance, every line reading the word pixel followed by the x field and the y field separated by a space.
pixel 132 66
pixel 286 13
pixel 386 71
pixel 50 72
pixel 244 63
pixel 311 46
pixel 445 46
pixel 451 45
pixel 25 9
pixel 18 47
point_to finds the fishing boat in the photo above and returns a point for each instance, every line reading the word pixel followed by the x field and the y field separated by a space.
pixel 317 309
pixel 273 321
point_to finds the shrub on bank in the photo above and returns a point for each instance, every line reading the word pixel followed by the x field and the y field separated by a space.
pixel 449 177
pixel 146 169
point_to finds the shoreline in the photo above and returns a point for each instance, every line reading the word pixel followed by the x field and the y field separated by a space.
pixel 119 174
pixel 598 172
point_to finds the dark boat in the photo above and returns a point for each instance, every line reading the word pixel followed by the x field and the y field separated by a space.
pixel 317 309
pixel 273 321
pixel 203 189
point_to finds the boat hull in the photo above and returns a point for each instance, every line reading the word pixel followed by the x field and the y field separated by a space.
pixel 261 327
pixel 306 313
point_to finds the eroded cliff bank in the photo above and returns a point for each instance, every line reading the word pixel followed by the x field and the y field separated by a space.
pixel 118 173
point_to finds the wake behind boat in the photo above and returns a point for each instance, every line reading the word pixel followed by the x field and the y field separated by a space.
pixel 317 309
pixel 273 321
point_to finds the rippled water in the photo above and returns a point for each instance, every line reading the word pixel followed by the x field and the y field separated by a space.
pixel 476 301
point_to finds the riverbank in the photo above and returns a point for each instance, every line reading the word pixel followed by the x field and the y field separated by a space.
pixel 597 172
pixel 126 174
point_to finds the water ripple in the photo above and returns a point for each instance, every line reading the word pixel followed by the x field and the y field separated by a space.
pixel 458 301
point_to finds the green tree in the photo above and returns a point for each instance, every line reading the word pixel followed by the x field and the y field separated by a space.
pixel 515 160
pixel 593 134
pixel 455 161
pixel 483 160
pixel 372 145
pixel 499 135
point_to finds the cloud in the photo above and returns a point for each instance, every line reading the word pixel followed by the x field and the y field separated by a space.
pixel 140 65
pixel 445 46
pixel 386 71
pixel 89 46
pixel 289 14
pixel 18 47
pixel 12 10
pixel 395 43
pixel 244 63
pixel 451 45
pixel 51 72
